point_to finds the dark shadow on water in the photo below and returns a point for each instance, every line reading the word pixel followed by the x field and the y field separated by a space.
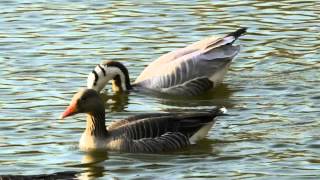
pixel 58 175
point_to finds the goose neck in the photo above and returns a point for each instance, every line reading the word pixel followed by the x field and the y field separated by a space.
pixel 121 82
pixel 96 124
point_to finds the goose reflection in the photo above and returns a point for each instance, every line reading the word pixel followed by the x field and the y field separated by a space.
pixel 220 96
pixel 115 102
pixel 93 163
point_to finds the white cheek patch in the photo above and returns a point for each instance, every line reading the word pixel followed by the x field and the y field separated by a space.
pixel 97 79
pixel 102 68
pixel 90 81
pixel 101 75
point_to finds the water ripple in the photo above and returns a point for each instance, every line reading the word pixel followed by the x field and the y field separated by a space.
pixel 48 48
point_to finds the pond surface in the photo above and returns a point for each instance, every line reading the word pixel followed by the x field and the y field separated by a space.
pixel 271 91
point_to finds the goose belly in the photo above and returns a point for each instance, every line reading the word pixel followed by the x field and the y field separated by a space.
pixel 201 133
pixel 218 76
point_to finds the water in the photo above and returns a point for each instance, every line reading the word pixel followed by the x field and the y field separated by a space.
pixel 272 89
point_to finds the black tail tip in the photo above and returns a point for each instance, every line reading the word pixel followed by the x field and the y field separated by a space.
pixel 238 32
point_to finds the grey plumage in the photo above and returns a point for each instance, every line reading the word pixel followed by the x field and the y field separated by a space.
pixel 148 133
pixel 158 132
pixel 191 88
pixel 186 68
pixel 166 142
pixel 177 72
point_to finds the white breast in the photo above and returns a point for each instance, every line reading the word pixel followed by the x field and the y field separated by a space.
pixel 89 143
pixel 201 133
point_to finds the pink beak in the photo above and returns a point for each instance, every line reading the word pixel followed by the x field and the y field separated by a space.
pixel 71 110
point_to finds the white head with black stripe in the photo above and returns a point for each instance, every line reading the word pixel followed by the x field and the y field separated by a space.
pixel 107 71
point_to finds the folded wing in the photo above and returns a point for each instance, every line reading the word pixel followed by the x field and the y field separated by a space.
pixel 160 131
pixel 208 58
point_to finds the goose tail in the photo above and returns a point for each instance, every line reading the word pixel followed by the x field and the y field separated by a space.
pixel 236 34
pixel 226 40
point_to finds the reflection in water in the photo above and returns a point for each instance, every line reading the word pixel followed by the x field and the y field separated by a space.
pixel 204 146
pixel 92 164
pixel 95 164
pixel 219 96
pixel 115 102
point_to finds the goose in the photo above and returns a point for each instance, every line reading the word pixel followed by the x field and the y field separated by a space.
pixel 142 133
pixel 188 71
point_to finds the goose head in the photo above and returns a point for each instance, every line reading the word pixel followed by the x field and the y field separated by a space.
pixel 85 101
pixel 107 71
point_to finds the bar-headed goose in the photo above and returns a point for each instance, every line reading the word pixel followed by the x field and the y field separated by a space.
pixel 149 133
pixel 187 71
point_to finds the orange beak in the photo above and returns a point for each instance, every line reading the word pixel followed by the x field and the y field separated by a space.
pixel 71 110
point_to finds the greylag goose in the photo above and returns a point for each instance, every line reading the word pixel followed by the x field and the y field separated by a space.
pixel 147 133
pixel 190 71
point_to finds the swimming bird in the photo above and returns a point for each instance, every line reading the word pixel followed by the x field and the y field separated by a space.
pixel 188 71
pixel 143 133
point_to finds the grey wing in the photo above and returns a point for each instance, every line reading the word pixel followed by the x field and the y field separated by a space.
pixel 164 133
pixel 209 45
pixel 189 68
pixel 167 142
pixel 163 61
pixel 151 127
pixel 190 88
pixel 119 123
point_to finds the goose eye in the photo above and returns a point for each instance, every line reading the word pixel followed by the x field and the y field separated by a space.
pixel 84 98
